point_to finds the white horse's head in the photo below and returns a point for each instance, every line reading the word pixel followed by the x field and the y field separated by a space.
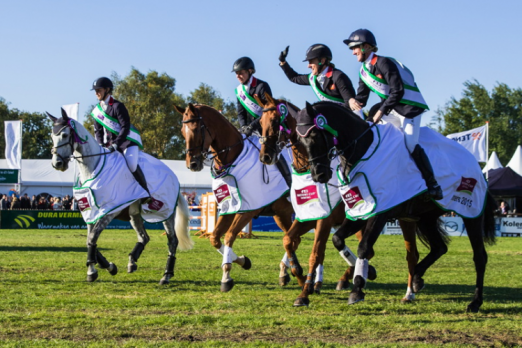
pixel 64 142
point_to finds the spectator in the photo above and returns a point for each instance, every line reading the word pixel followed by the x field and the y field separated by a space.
pixel 504 208
pixel 34 202
pixel 74 205
pixel 25 202
pixel 57 205
pixel 15 204
pixel 66 202
pixel 4 203
pixel 42 204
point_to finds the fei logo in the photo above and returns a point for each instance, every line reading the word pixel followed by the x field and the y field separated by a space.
pixel 222 193
pixel 467 185
pixel 353 197
pixel 22 220
pixel 83 204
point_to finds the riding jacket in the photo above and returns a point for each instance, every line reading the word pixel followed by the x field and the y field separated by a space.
pixel 258 87
pixel 337 83
pixel 116 110
pixel 384 68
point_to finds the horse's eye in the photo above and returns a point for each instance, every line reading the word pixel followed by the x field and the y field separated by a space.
pixel 64 135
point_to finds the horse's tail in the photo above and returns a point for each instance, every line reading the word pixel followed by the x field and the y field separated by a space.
pixel 182 225
pixel 440 230
pixel 489 220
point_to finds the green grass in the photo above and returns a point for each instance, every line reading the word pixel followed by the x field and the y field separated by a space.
pixel 45 301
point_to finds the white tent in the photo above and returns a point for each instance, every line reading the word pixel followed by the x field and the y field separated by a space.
pixel 39 176
pixel 516 161
pixel 493 163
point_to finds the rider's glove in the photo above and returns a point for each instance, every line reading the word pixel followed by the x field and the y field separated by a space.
pixel 282 56
pixel 113 147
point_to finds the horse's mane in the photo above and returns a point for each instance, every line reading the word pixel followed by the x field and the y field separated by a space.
pixel 333 107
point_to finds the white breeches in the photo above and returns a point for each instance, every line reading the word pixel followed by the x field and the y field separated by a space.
pixel 409 126
pixel 132 154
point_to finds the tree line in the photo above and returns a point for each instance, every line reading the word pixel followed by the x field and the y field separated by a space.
pixel 150 99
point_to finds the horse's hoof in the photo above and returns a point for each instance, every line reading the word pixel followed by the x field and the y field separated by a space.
pixel 247 264
pixel 317 287
pixel 356 297
pixel 343 285
pixel 284 280
pixel 113 270
pixel 132 267
pixel 372 273
pixel 227 286
pixel 297 271
pixel 301 301
pixel 406 300
pixel 92 277
pixel 418 284
pixel 164 281
pixel 473 308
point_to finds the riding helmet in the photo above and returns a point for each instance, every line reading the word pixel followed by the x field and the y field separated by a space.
pixel 359 37
pixel 318 51
pixel 243 63
pixel 102 82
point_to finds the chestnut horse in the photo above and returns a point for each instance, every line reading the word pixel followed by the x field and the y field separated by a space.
pixel 279 130
pixel 207 134
pixel 327 130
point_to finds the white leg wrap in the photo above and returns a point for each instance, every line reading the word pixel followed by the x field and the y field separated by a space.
pixel 319 273
pixel 285 260
pixel 348 256
pixel 410 295
pixel 228 255
pixel 361 268
pixel 91 269
pixel 222 249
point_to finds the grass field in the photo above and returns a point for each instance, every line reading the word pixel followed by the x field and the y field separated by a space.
pixel 45 301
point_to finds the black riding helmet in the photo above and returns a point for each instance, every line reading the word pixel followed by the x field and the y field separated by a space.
pixel 243 63
pixel 318 51
pixel 359 37
pixel 102 82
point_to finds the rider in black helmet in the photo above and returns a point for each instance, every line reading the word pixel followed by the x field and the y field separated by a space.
pixel 113 129
pixel 401 99
pixel 247 108
pixel 327 82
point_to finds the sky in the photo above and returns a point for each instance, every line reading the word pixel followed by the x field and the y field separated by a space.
pixel 52 51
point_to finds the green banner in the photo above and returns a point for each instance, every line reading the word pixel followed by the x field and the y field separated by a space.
pixel 59 219
pixel 8 176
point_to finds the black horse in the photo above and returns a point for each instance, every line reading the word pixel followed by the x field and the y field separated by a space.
pixel 339 132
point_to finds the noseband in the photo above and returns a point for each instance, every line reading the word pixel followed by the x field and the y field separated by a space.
pixel 282 110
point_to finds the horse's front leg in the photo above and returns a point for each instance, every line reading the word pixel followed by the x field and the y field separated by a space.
pixel 240 221
pixel 412 256
pixel 94 256
pixel 173 246
pixel 283 218
pixel 143 238
pixel 291 242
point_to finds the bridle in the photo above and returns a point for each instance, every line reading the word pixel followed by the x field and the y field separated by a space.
pixel 208 154
pixel 282 111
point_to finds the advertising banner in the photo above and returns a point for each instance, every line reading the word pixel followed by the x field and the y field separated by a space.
pixel 8 176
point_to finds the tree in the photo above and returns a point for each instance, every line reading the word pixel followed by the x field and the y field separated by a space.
pixel 502 108
pixel 36 132
pixel 207 95
pixel 150 100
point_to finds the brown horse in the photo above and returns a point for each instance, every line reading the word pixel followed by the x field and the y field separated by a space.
pixel 277 131
pixel 207 133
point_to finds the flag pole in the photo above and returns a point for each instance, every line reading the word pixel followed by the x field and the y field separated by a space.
pixel 21 161
pixel 487 148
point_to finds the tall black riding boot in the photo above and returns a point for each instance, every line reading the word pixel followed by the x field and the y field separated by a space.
pixel 423 163
pixel 285 171
pixel 140 178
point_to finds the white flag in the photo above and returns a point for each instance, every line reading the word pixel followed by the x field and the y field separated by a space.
pixel 72 110
pixel 474 140
pixel 13 144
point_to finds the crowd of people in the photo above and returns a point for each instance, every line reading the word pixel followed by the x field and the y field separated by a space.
pixel 37 202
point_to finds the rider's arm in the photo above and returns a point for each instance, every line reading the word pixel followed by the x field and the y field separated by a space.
pixel 123 117
pixel 300 79
pixel 390 73
pixel 242 115
pixel 363 93
pixel 99 133
pixel 344 86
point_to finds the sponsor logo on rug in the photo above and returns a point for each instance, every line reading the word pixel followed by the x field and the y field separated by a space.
pixel 222 193
pixel 155 205
pixel 353 197
pixel 83 204
pixel 306 195
pixel 467 185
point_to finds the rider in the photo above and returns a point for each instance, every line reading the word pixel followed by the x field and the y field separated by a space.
pixel 114 130
pixel 248 110
pixel 401 98
pixel 327 82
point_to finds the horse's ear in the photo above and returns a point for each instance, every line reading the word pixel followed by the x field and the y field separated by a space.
pixel 192 108
pixel 51 117
pixel 178 109
pixel 310 109
pixel 269 98
pixel 64 115
pixel 258 100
